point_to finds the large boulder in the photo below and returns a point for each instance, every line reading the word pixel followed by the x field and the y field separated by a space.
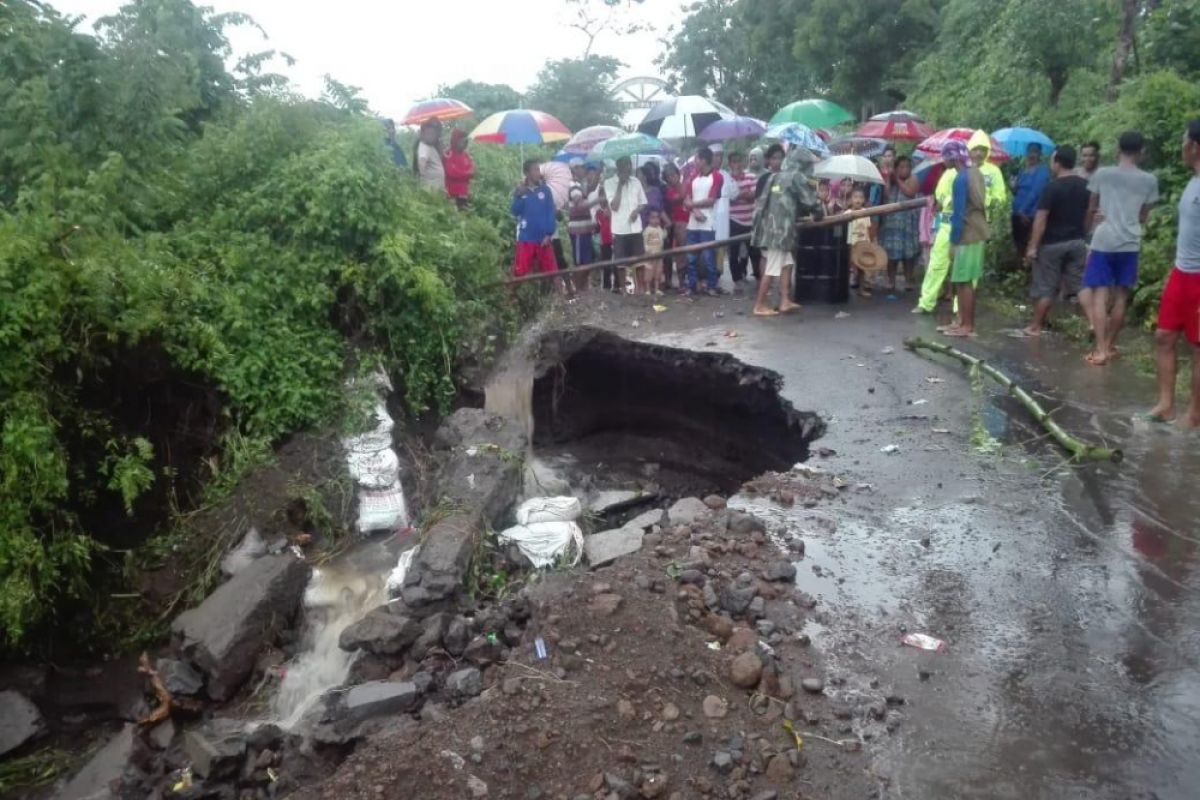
pixel 687 511
pixel 379 698
pixel 216 749
pixel 20 721
pixel 381 632
pixel 224 634
pixel 438 571
pixel 105 773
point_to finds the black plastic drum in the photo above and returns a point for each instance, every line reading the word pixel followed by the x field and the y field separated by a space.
pixel 822 265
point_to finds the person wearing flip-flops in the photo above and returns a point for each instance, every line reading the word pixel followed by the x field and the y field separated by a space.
pixel 1179 308
pixel 787 195
pixel 968 234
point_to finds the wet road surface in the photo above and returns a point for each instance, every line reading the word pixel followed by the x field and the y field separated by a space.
pixel 1069 598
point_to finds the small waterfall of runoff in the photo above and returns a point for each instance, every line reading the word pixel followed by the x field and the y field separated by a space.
pixel 337 596
pixel 509 393
pixel 341 592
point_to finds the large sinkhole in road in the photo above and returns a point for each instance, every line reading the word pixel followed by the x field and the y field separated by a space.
pixel 621 411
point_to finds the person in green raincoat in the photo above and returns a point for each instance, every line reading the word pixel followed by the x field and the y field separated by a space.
pixel 786 195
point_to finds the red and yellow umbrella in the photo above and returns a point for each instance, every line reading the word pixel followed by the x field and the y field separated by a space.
pixel 439 108
pixel 932 147
pixel 521 126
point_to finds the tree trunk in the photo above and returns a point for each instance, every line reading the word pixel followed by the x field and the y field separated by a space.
pixel 1058 81
pixel 1125 45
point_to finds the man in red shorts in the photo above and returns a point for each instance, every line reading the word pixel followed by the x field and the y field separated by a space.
pixel 1179 309
pixel 533 206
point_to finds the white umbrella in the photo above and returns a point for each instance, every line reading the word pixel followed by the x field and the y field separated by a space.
pixel 849 167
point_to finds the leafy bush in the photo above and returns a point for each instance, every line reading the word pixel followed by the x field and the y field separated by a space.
pixel 188 255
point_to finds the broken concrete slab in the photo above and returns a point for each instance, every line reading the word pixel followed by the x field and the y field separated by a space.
pixel 20 721
pixel 441 564
pixel 102 775
pixel 216 748
pixel 607 546
pixel 647 519
pixel 485 468
pixel 223 635
pixel 381 632
pixel 687 511
pixel 380 698
pixel 613 500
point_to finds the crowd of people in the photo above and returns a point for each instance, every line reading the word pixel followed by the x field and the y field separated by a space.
pixel 1077 227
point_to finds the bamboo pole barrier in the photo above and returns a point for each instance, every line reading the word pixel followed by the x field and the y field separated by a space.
pixel 1080 451
pixel 836 219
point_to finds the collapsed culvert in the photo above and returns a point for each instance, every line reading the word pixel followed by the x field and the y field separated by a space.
pixel 609 411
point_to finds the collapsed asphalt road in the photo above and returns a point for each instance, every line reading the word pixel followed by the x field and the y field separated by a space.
pixel 1068 598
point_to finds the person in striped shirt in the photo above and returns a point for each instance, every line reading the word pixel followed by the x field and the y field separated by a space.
pixel 741 221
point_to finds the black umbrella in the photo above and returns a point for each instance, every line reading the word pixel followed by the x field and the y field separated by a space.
pixel 683 117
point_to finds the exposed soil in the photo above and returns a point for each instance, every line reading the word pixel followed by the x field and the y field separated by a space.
pixel 618 709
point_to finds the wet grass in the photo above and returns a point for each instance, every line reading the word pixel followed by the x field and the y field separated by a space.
pixel 37 769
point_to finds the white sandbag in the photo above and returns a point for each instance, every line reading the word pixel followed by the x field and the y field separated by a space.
pixel 543 542
pixel 377 470
pixel 376 439
pixel 549 509
pixel 251 547
pixel 395 581
pixel 382 509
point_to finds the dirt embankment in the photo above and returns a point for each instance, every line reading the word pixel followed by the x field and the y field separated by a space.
pixel 680 671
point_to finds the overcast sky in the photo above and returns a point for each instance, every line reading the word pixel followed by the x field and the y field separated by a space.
pixel 399 52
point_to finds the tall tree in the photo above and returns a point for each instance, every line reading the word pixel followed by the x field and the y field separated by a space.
pixel 484 98
pixel 595 17
pixel 578 91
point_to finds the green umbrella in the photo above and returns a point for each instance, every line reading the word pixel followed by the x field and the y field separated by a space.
pixel 814 113
pixel 628 145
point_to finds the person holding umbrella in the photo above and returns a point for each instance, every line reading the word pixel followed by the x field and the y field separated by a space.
pixel 460 169
pixel 428 164
pixel 968 234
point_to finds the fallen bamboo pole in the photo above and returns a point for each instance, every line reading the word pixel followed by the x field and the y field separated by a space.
pixel 825 222
pixel 1080 451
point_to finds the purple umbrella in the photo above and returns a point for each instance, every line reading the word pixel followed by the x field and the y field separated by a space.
pixel 736 128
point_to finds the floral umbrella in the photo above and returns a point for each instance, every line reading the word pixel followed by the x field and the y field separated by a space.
pixel 439 108
pixel 815 113
pixel 583 141
pixel 521 126
pixel 799 135
pixel 859 146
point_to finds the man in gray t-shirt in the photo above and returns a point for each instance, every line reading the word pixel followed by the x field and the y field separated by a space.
pixel 1179 308
pixel 1121 199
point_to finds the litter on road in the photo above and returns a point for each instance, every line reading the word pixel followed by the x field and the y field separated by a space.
pixel 923 641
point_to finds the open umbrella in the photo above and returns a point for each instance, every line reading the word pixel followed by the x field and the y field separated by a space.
pixel 932 147
pixel 584 140
pixel 859 146
pixel 557 176
pixel 899 113
pixel 1016 141
pixel 895 127
pixel 736 128
pixel 800 135
pixel 439 108
pixel 815 113
pixel 855 168
pixel 520 126
pixel 683 117
pixel 628 145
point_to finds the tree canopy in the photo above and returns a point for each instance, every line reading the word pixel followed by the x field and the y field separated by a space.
pixel 578 91
pixel 484 98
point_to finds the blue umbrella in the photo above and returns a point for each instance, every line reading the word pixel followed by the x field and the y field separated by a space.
pixel 800 135
pixel 1016 141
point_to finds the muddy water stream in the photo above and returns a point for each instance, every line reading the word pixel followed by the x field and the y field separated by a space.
pixel 1070 598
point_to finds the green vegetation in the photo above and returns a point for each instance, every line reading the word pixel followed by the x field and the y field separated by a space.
pixel 192 260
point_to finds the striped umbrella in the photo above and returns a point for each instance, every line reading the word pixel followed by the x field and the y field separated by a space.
pixel 583 141
pixel 520 126
pixel 895 127
pixel 800 135
pixel 859 146
pixel 439 108
pixel 815 113
pixel 683 117
pixel 932 147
